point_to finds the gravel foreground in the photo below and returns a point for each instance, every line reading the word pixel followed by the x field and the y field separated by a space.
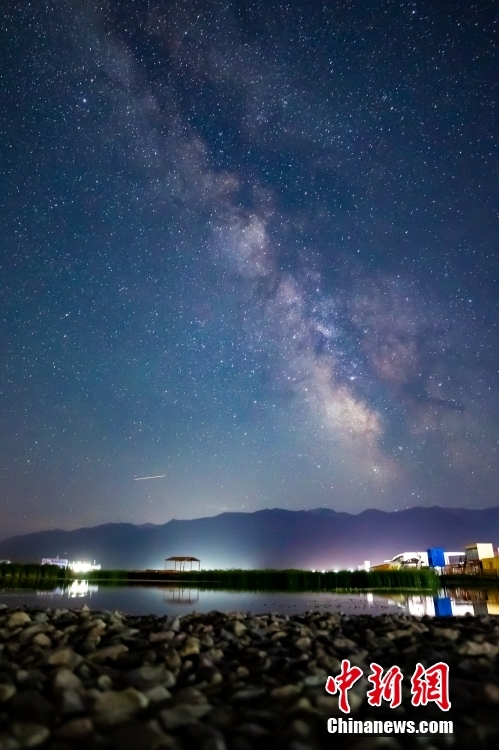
pixel 231 681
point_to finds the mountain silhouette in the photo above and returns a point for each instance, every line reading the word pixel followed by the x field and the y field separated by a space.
pixel 313 539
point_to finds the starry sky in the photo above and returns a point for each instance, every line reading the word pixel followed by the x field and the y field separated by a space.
pixel 249 246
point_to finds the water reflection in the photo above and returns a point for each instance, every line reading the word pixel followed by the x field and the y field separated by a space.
pixel 450 603
pixel 75 590
pixel 182 600
pixel 177 595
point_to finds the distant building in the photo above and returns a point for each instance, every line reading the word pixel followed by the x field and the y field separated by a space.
pixel 77 566
pixel 55 561
pixel 406 560
pixel 478 551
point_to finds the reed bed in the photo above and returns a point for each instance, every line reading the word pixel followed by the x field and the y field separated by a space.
pixel 233 579
pixel 280 580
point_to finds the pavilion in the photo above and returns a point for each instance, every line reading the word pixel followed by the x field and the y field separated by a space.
pixel 182 561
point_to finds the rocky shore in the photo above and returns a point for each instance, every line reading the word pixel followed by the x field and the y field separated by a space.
pixel 231 681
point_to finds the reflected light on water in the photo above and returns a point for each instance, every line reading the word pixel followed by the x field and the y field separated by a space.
pixel 448 603
pixel 76 590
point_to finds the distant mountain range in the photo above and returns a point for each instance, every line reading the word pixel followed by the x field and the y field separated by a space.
pixel 321 539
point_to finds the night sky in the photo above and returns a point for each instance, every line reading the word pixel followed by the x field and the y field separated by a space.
pixel 250 246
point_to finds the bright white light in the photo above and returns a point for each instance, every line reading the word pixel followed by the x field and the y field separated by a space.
pixel 82 567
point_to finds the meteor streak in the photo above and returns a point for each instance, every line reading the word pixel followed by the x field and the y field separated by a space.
pixel 157 476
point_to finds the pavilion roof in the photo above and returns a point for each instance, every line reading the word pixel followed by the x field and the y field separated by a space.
pixel 183 559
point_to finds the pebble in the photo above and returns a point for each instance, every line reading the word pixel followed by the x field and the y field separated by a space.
pixel 158 694
pixel 17 619
pixel 71 702
pixel 42 640
pixel 228 681
pixel 114 707
pixel 190 647
pixel 238 628
pixel 472 648
pixel 285 691
pixel 303 643
pixel 65 679
pixel 111 653
pixel 6 692
pixel 75 729
pixel 64 657
pixel 491 693
pixel 148 676
pixel 30 735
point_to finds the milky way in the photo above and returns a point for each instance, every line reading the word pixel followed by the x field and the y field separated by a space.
pixel 250 247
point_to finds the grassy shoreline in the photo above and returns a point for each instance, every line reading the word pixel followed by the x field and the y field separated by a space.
pixel 266 580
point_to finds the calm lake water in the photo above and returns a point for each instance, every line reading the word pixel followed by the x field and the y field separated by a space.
pixel 175 600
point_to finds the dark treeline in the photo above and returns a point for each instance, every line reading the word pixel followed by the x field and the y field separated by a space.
pixel 279 580
pixel 22 572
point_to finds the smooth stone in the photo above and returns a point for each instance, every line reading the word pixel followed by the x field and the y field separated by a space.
pixel 28 633
pixel 157 694
pixel 238 628
pixel 284 692
pixel 344 645
pixel 190 696
pixel 472 648
pixel 116 706
pixel 147 676
pixel 300 727
pixel 303 643
pixel 104 682
pixel 75 729
pixel 398 634
pixel 279 635
pixel 329 703
pixel 31 678
pixel 183 714
pixel 8 742
pixel 65 679
pixel 108 652
pixel 162 635
pixel 64 657
pixel 71 702
pixel 172 659
pixel 491 693
pixel 18 619
pixel 42 640
pixel 40 617
pixel 315 680
pixel 6 692
pixel 31 735
pixel 446 633
pixel 190 647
